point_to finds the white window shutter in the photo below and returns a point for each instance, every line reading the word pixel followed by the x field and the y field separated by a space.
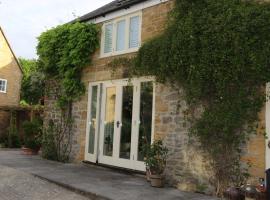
pixel 134 32
pixel 120 38
pixel 108 37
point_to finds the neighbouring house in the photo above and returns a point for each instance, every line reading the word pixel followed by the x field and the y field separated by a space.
pixel 117 114
pixel 10 82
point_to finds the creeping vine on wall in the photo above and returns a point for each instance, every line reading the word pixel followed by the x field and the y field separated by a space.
pixel 63 53
pixel 219 51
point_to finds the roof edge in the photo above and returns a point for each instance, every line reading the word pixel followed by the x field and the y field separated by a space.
pixel 12 52
pixel 84 18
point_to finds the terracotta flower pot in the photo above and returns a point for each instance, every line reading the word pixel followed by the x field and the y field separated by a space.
pixel 233 193
pixel 28 151
pixel 157 180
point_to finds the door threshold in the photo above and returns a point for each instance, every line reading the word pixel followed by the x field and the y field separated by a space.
pixel 116 169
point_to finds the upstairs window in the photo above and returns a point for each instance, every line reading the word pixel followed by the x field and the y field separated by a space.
pixel 108 38
pixel 134 32
pixel 3 85
pixel 122 35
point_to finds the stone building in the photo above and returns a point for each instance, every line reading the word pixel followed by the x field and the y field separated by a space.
pixel 10 81
pixel 117 114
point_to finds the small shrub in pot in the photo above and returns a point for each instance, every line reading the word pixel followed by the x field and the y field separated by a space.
pixel 155 161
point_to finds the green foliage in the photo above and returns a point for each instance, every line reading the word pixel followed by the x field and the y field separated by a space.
pixel 32 134
pixel 57 139
pixel 33 82
pixel 49 149
pixel 219 52
pixel 155 156
pixel 13 139
pixel 63 53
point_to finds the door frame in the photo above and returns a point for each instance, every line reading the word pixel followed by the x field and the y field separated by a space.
pixel 267 125
pixel 98 155
pixel 92 157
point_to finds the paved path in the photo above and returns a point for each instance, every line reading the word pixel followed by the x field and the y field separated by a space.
pixel 17 185
pixel 95 182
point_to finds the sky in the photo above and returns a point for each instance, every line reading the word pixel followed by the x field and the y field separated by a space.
pixel 24 20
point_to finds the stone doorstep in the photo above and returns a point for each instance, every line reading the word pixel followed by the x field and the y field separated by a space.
pixel 100 183
pixel 131 172
pixel 80 191
pixel 90 195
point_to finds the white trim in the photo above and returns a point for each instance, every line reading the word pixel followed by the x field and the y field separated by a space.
pixel 153 112
pixel 267 124
pixel 131 9
pixel 88 156
pixel 114 35
pixel 115 160
pixel 5 89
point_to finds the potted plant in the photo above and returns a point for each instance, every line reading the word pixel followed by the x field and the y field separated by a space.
pixel 234 193
pixel 145 149
pixel 32 137
pixel 155 160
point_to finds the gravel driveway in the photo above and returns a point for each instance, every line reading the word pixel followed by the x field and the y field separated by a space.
pixel 16 185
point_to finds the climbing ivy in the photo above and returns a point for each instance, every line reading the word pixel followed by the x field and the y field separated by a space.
pixel 63 53
pixel 219 52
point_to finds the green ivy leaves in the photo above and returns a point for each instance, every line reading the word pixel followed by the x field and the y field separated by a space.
pixel 63 53
pixel 219 51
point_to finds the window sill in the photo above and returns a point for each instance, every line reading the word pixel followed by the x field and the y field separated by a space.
pixel 119 53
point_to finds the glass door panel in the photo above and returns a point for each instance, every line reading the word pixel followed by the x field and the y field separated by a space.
pixel 126 125
pixel 145 116
pixel 126 122
pixel 93 120
pixel 92 127
pixel 110 103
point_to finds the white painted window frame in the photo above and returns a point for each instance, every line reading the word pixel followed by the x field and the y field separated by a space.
pixel 5 80
pixel 88 156
pixel 114 36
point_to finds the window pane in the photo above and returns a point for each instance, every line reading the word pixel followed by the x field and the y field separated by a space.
pixel 3 85
pixel 120 40
pixel 127 105
pixel 108 38
pixel 93 120
pixel 134 32
pixel 146 106
pixel 109 121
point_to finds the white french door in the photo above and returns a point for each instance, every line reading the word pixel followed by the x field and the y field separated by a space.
pixel 92 129
pixel 124 124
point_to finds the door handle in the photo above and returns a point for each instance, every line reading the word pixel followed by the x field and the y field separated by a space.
pixel 118 124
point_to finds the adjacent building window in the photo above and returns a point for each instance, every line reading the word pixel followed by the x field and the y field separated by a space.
pixel 121 35
pixel 3 85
